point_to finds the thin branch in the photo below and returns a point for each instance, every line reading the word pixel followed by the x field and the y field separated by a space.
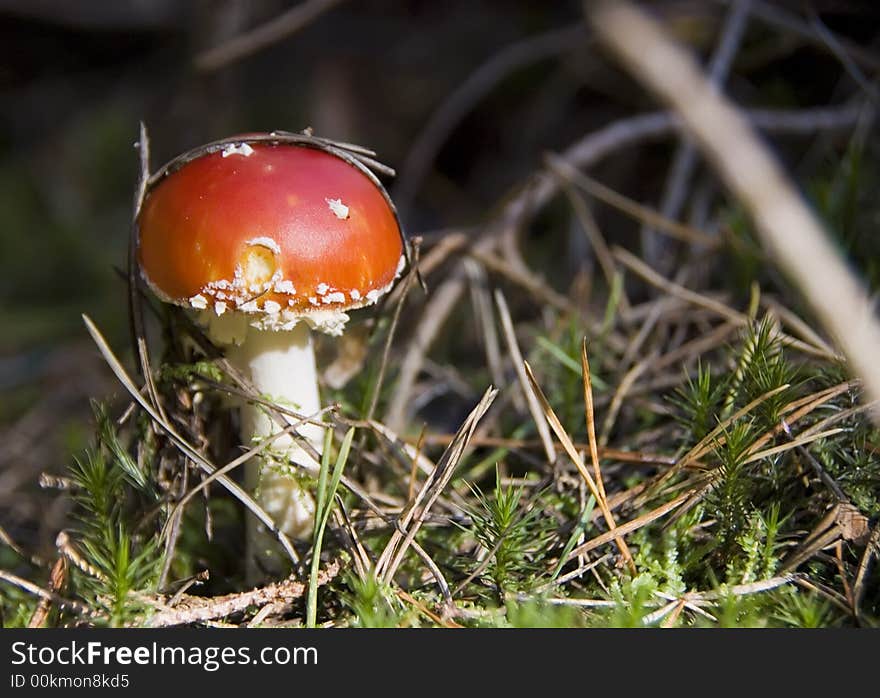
pixel 277 29
pixel 685 160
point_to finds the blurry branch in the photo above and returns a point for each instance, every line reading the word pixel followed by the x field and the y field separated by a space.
pixel 685 161
pixel 646 272
pixel 835 46
pixel 634 209
pixel 633 130
pixel 792 233
pixel 543 185
pixel 273 31
pixel 781 18
pixel 467 95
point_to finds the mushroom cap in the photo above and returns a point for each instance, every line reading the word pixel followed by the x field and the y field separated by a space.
pixel 278 231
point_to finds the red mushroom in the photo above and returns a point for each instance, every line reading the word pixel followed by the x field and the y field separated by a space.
pixel 263 239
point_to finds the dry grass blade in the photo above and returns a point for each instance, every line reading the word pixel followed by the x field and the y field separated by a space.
pixel 872 551
pixel 750 588
pixel 425 611
pixel 410 523
pixel 541 188
pixel 803 406
pixel 440 304
pixel 37 590
pixel 840 416
pixel 782 448
pixel 629 526
pixel 537 287
pixel 815 543
pixel 671 609
pixel 7 540
pixel 575 457
pixel 185 447
pixel 516 356
pixel 712 440
pixel 695 347
pixel 574 574
pixel 797 409
pixel 590 417
pixel 57 582
pixel 715 437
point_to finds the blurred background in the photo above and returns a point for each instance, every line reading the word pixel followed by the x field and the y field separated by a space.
pixel 462 97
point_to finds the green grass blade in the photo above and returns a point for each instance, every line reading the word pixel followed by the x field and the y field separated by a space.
pixel 322 514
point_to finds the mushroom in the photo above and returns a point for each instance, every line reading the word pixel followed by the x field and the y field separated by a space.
pixel 265 239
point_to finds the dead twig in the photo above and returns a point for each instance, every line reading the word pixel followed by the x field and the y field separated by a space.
pixel 195 609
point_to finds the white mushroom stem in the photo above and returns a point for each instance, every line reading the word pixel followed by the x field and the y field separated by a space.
pixel 281 366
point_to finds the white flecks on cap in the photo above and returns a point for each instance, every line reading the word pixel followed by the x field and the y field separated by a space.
pixel 313 300
pixel 322 289
pixel 220 308
pixel 285 286
pixel 271 307
pixel 340 210
pixel 373 296
pixel 198 301
pixel 335 297
pixel 355 294
pixel 237 149
pixel 330 322
pixel 401 264
pixel 266 242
